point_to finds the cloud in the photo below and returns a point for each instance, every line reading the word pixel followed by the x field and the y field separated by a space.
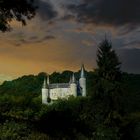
pixel 132 44
pixel 49 37
pixel 108 12
pixel 130 60
pixel 68 17
pixel 34 39
pixel 46 10
pixel 89 43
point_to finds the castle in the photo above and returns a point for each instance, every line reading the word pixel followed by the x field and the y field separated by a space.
pixel 52 92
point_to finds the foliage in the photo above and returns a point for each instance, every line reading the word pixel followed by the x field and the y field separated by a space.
pixel 107 96
pixel 63 118
pixel 107 61
pixel 105 133
pixel 20 10
pixel 12 130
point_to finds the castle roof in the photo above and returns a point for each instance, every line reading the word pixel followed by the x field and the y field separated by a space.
pixel 59 85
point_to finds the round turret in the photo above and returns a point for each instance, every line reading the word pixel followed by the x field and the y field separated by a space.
pixel 45 92
pixel 82 81
pixel 73 86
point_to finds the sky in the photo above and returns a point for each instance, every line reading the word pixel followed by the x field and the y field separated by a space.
pixel 64 34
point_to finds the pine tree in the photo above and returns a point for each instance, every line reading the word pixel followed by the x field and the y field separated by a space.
pixel 107 94
pixel 108 84
pixel 108 63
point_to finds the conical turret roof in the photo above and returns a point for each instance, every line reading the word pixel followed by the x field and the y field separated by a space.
pixel 70 80
pixel 48 80
pixel 82 71
pixel 73 80
pixel 45 83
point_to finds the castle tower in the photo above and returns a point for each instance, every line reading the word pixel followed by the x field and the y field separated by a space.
pixel 45 91
pixel 82 81
pixel 48 80
pixel 73 86
pixel 70 80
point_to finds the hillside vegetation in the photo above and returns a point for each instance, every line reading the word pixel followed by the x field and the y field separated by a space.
pixel 21 109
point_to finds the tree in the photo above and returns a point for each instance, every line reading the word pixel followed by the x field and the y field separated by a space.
pixel 108 63
pixel 108 85
pixel 20 10
pixel 107 97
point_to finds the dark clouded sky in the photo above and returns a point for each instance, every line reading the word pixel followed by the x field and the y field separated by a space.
pixel 65 34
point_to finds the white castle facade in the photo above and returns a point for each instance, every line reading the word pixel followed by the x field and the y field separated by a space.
pixel 52 92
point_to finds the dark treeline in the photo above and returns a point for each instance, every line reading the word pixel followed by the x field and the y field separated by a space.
pixel 111 111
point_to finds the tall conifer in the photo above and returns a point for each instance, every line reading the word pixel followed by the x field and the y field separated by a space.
pixel 108 62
